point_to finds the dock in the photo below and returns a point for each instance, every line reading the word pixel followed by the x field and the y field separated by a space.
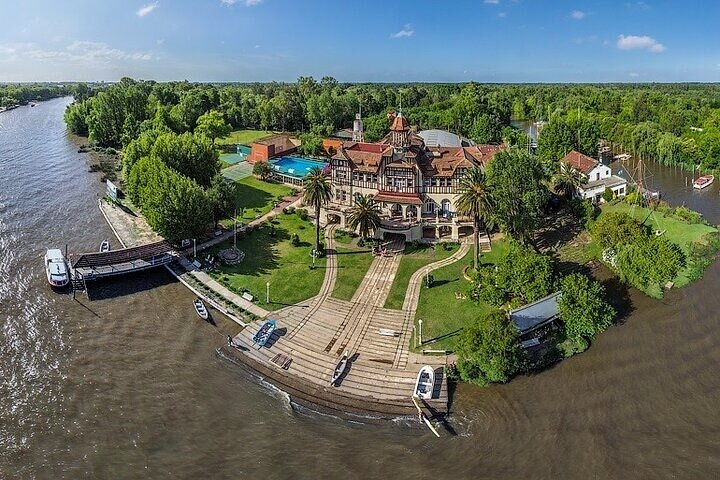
pixel 93 266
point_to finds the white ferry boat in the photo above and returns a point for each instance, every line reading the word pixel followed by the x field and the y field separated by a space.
pixel 56 268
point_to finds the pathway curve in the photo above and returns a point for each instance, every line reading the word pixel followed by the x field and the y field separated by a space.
pixel 412 294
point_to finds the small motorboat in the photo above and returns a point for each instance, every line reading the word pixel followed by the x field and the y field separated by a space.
pixel 263 335
pixel 703 182
pixel 425 383
pixel 56 268
pixel 200 308
pixel 339 369
pixel 105 246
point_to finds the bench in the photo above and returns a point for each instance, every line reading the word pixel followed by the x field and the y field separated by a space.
pixel 247 296
pixel 533 342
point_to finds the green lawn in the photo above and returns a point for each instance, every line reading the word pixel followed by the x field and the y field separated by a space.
pixel 416 256
pixel 443 310
pixel 255 198
pixel 343 237
pixel 677 231
pixel 243 137
pixel 272 258
pixel 352 264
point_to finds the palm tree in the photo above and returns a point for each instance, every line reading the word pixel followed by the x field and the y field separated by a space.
pixel 567 181
pixel 317 193
pixel 475 201
pixel 365 216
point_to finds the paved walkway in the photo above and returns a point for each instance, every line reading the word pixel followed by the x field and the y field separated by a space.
pixel 412 295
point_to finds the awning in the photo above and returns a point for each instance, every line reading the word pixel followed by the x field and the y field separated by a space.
pixel 396 197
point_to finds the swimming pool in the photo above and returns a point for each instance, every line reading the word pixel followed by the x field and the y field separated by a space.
pixel 296 167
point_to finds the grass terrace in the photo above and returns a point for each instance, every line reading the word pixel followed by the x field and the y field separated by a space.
pixel 243 137
pixel 271 257
pixel 352 265
pixel 255 198
pixel 450 293
pixel 416 256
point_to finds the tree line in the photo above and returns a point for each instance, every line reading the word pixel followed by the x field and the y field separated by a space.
pixel 21 94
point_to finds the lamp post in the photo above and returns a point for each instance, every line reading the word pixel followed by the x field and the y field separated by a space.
pixel 235 231
pixel 267 292
pixel 420 341
pixel 194 249
pixel 427 278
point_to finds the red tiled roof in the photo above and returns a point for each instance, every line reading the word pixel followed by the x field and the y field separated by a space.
pixel 398 197
pixel 580 162
pixel 400 124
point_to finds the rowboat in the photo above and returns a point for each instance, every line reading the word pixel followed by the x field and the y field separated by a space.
pixel 263 335
pixel 425 383
pixel 200 309
pixel 104 246
pixel 703 182
pixel 339 369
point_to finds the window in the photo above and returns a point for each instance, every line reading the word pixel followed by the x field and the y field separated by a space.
pixel 429 206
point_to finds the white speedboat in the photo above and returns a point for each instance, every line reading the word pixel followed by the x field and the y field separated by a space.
pixel 425 383
pixel 56 268
pixel 703 182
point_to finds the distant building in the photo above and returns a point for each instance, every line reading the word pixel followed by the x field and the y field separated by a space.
pixel 598 176
pixel 416 185
pixel 275 146
pixel 443 138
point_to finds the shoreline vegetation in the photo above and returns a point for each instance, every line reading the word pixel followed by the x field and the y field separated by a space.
pixel 169 136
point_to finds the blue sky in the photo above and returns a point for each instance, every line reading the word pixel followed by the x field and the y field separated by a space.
pixel 360 40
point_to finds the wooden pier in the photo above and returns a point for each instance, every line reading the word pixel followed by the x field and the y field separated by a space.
pixel 92 266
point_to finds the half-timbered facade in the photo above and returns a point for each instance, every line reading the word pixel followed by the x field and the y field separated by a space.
pixel 415 185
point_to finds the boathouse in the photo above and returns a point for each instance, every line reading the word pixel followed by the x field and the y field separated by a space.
pixel 530 319
pixel 275 146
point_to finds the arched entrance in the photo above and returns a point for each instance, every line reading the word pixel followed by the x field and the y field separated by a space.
pixel 396 210
pixel 445 208
pixel 412 212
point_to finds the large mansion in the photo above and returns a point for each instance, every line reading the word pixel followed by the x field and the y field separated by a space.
pixel 414 180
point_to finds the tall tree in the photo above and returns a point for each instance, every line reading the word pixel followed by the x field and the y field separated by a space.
pixel 365 216
pixel 582 307
pixel 475 201
pixel 212 124
pixel 317 193
pixel 517 181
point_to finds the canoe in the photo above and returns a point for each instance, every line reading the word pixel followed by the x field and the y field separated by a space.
pixel 104 246
pixel 703 182
pixel 425 383
pixel 263 335
pixel 339 369
pixel 200 309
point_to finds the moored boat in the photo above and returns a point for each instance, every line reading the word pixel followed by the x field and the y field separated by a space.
pixel 703 182
pixel 263 335
pixel 56 268
pixel 339 369
pixel 105 246
pixel 200 309
pixel 425 383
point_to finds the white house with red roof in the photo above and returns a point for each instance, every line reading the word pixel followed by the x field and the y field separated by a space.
pixel 599 177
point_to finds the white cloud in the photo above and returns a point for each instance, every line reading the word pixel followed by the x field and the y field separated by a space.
pixel 247 3
pixel 577 14
pixel 492 2
pixel 146 9
pixel 634 75
pixel 85 53
pixel 407 31
pixel 635 42
pixel 502 14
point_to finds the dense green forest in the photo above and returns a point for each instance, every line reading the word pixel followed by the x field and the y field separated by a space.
pixel 22 93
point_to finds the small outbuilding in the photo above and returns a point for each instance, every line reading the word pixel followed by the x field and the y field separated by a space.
pixel 530 319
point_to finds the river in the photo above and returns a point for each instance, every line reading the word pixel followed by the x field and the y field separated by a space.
pixel 128 385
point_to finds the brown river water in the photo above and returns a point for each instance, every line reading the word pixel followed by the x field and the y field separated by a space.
pixel 128 385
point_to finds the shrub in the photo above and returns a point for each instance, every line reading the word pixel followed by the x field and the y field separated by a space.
pixel 488 350
pixel 618 228
pixel 302 213
pixel 584 210
pixel 291 209
pixel 685 214
pixel 295 239
pixel 655 260
pixel 361 243
pixel 608 194
pixel 582 307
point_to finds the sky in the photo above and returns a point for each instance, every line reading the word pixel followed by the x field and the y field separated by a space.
pixel 360 40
